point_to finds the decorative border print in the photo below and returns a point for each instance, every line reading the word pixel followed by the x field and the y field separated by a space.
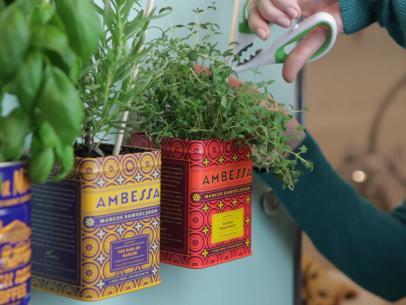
pixel 119 239
pixel 206 201
pixel 15 235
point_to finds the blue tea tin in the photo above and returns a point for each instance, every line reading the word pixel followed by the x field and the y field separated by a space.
pixel 15 234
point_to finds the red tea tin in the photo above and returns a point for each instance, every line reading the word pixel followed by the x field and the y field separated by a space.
pixel 205 202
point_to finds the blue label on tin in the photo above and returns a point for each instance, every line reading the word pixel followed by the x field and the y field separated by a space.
pixel 15 188
pixel 15 235
pixel 129 252
pixel 55 238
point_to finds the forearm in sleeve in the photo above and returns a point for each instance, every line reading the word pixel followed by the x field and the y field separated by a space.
pixel 365 243
pixel 390 14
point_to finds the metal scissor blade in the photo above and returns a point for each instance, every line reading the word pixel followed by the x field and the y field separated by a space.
pixel 245 42
pixel 260 58
pixel 252 57
pixel 244 49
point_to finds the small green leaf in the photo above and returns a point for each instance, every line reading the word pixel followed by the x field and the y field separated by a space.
pixel 164 11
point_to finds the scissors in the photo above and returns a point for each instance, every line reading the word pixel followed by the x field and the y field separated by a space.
pixel 276 53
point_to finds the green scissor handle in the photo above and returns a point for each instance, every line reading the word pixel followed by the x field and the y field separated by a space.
pixel 243 26
pixel 277 50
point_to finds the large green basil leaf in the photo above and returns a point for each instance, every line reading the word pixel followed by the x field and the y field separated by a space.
pixel 60 105
pixel 66 160
pixel 28 80
pixel 41 164
pixel 82 25
pixel 54 39
pixel 1 99
pixel 47 135
pixel 14 40
pixel 13 130
pixel 50 37
pixel 43 13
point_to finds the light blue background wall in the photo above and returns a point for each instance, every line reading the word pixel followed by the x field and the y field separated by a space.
pixel 266 278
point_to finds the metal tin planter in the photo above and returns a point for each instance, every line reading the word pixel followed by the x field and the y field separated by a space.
pixel 206 201
pixel 96 234
pixel 15 235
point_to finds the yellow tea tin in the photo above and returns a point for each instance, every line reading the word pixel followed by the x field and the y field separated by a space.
pixel 96 234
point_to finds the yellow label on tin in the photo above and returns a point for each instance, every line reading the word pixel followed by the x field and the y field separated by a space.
pixel 120 199
pixel 227 225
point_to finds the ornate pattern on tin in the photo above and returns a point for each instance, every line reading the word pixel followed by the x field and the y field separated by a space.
pixel 15 234
pixel 119 227
pixel 206 201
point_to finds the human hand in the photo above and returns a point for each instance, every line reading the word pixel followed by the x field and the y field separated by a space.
pixel 282 13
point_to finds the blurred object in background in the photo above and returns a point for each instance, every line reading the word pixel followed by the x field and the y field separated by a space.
pixel 320 285
pixel 344 93
pixel 376 173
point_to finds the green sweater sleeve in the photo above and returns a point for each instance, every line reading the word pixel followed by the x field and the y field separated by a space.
pixel 365 243
pixel 391 14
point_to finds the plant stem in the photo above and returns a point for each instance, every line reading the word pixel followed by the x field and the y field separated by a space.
pixel 234 24
pixel 124 118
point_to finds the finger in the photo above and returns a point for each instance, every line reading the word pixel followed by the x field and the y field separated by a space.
pixel 234 82
pixel 257 23
pixel 199 69
pixel 303 52
pixel 272 14
pixel 294 133
pixel 289 7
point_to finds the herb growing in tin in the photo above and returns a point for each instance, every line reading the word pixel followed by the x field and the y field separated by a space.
pixel 43 46
pixel 110 85
pixel 187 104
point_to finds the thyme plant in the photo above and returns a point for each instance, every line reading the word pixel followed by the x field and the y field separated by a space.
pixel 109 85
pixel 183 103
